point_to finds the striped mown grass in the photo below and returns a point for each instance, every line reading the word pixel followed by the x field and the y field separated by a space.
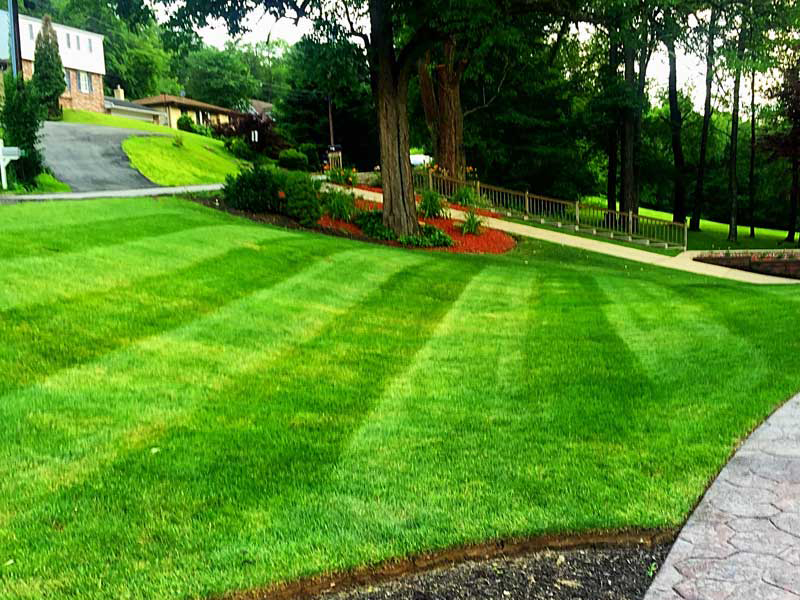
pixel 194 404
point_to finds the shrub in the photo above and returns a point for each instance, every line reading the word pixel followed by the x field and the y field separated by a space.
pixel 48 78
pixel 466 196
pixel 240 149
pixel 293 160
pixel 431 205
pixel 312 154
pixel 377 179
pixel 472 224
pixel 428 237
pixel 177 141
pixel 302 198
pixel 256 190
pixel 21 118
pixel 371 223
pixel 185 123
pixel 342 176
pixel 339 205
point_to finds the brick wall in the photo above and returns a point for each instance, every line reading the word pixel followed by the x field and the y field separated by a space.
pixel 73 98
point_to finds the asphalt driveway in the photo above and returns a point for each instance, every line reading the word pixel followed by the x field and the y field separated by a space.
pixel 89 158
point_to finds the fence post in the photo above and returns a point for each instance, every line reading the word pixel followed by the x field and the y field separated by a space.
pixel 430 179
pixel 685 236
pixel 478 188
pixel 630 222
pixel 578 214
pixel 527 202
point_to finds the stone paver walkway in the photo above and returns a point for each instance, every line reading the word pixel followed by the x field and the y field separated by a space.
pixel 743 541
pixel 683 262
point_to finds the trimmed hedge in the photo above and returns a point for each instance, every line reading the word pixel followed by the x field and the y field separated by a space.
pixel 277 191
pixel 293 160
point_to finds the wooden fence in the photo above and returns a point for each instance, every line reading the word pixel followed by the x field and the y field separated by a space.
pixel 583 218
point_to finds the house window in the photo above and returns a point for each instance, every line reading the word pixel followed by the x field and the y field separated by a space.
pixel 69 40
pixel 84 82
pixel 67 80
pixel 89 41
pixel 30 30
pixel 77 42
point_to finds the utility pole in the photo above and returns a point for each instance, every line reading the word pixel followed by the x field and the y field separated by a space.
pixel 330 120
pixel 15 51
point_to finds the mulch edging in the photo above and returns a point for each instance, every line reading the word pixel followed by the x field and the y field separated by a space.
pixel 424 571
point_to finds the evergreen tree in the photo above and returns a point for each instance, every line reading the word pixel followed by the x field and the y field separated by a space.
pixel 21 119
pixel 48 78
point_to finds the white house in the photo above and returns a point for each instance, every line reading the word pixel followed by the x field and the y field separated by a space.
pixel 81 53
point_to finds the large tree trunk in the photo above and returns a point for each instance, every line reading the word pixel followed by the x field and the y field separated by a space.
pixel 733 183
pixel 676 125
pixel 795 197
pixel 441 101
pixel 694 224
pixel 628 176
pixel 752 181
pixel 390 87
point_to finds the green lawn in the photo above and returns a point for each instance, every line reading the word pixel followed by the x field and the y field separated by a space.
pixel 45 184
pixel 193 404
pixel 199 160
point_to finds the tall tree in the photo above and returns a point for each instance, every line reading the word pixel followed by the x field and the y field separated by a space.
pixel 733 156
pixel 710 61
pixel 48 78
pixel 220 78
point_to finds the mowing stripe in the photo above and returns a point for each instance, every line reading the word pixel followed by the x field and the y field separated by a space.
pixel 94 412
pixel 27 281
pixel 72 238
pixel 252 445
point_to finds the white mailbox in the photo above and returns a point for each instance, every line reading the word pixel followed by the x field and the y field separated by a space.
pixel 7 154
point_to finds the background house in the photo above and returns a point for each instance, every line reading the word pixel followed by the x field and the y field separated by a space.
pixel 201 113
pixel 82 54
pixel 117 105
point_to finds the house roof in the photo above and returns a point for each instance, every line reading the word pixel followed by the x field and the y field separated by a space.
pixel 112 102
pixel 167 100
pixel 261 107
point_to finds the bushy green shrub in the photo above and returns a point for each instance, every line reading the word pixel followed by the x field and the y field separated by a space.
pixel 428 237
pixel 312 154
pixel 339 205
pixel 377 179
pixel 177 141
pixel 21 119
pixel 239 148
pixel 371 223
pixel 293 160
pixel 342 176
pixel 302 198
pixel 466 196
pixel 185 123
pixel 431 206
pixel 472 224
pixel 257 190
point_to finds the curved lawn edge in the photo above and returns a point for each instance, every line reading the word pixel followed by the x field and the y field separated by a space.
pixel 391 569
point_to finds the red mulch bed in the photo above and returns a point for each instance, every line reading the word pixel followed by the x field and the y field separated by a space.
pixel 479 211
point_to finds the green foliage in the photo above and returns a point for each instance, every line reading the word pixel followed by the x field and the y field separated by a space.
pixel 377 179
pixel 293 160
pixel 277 191
pixel 315 71
pixel 220 78
pixel 302 198
pixel 431 206
pixel 178 141
pixel 342 176
pixel 256 190
pixel 371 223
pixel 186 123
pixel 48 77
pixel 339 205
pixel 428 237
pixel 472 224
pixel 312 154
pixel 21 119
pixel 239 148
pixel 466 196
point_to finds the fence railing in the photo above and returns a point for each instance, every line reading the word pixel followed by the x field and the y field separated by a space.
pixel 582 218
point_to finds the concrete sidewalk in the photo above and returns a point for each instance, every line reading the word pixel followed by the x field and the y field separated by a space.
pixel 131 193
pixel 683 262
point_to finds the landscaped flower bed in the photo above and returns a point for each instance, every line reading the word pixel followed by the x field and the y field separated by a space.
pixel 780 264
